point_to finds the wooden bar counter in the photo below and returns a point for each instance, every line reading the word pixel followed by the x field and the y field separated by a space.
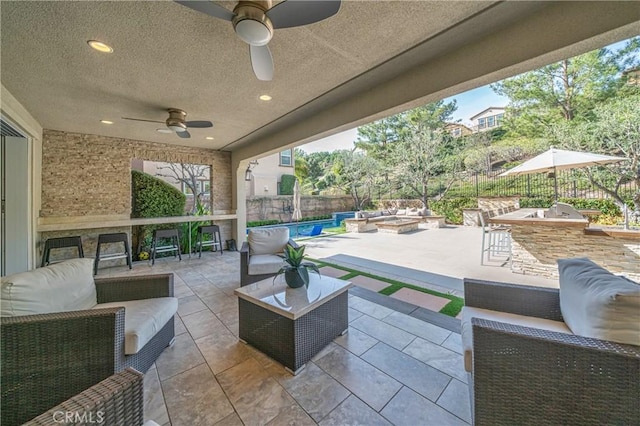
pixel 537 243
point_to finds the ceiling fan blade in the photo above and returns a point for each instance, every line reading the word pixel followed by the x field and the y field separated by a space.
pixel 184 135
pixel 142 119
pixel 198 124
pixel 294 13
pixel 208 8
pixel 262 62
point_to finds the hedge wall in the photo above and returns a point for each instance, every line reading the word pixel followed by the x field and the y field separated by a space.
pixel 153 197
pixel 286 184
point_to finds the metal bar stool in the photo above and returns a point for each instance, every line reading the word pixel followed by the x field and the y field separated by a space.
pixel 215 242
pixel 62 242
pixel 120 237
pixel 173 246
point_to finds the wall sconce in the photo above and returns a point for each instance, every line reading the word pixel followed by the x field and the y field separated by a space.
pixel 247 174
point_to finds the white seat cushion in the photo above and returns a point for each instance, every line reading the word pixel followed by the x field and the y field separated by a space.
pixel 61 287
pixel 265 264
pixel 143 319
pixel 469 312
pixel 595 303
pixel 268 240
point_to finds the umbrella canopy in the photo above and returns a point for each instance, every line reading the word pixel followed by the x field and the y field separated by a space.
pixel 559 159
pixel 297 213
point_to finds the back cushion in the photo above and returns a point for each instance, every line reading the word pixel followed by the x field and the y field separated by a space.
pixel 595 303
pixel 268 240
pixel 64 286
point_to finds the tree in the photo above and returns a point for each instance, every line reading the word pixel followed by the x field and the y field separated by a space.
pixel 613 130
pixel 356 173
pixel 565 90
pixel 188 174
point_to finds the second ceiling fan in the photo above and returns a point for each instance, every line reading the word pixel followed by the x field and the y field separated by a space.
pixel 254 22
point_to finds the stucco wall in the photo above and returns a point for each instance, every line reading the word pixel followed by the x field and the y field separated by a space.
pixel 90 175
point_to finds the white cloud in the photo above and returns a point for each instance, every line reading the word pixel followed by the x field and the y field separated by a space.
pixel 342 140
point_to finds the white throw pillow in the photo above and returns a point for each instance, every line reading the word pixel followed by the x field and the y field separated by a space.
pixel 595 303
pixel 61 287
pixel 401 212
pixel 268 240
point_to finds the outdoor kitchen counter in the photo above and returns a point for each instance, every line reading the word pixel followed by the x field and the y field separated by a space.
pixel 536 244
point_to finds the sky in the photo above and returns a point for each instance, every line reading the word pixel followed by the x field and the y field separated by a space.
pixel 469 104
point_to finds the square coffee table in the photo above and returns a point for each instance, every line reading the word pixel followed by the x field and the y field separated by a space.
pixel 292 325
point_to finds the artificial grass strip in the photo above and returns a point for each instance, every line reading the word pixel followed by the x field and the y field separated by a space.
pixel 451 309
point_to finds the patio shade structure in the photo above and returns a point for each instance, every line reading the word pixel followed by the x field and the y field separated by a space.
pixel 559 159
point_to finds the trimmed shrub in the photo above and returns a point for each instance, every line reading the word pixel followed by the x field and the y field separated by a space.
pixel 451 208
pixel 286 184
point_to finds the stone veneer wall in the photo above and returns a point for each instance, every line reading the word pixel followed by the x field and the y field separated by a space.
pixel 271 208
pixel 495 203
pixel 536 248
pixel 90 175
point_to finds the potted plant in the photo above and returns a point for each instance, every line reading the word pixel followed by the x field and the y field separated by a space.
pixel 296 272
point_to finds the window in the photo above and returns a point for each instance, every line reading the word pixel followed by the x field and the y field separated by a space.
pixel 482 123
pixel 456 132
pixel 203 187
pixel 491 121
pixel 285 158
pixel 499 118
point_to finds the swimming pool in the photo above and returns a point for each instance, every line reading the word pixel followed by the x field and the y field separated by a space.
pixel 296 228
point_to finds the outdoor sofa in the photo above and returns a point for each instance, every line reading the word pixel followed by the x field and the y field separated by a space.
pixel 63 332
pixel 260 255
pixel 543 356
pixel 365 221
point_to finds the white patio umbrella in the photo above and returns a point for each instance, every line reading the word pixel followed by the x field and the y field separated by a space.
pixel 297 213
pixel 559 159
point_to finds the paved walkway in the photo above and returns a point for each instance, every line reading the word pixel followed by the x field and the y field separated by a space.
pixel 433 258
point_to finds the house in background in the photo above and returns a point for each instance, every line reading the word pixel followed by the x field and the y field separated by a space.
pixel 633 76
pixel 488 119
pixel 265 176
pixel 457 129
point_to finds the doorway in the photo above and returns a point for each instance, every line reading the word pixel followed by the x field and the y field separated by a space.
pixel 14 192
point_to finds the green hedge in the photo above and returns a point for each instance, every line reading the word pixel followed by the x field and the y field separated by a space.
pixel 606 206
pixel 262 223
pixel 286 184
pixel 451 208
pixel 153 197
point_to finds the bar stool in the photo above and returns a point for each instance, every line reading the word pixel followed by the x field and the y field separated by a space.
pixel 174 245
pixel 62 242
pixel 120 237
pixel 215 242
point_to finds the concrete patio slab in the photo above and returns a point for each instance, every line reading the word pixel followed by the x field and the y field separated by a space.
pixel 332 272
pixel 369 283
pixel 418 298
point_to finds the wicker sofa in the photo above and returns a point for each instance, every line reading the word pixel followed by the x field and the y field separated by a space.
pixel 539 374
pixel 58 342
pixel 365 221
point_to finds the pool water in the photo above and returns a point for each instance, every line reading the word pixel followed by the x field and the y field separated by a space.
pixel 305 227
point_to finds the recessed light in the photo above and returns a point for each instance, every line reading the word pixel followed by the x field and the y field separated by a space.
pixel 164 130
pixel 265 98
pixel 106 122
pixel 100 46
pixel 209 138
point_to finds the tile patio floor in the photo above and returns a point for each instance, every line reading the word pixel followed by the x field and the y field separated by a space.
pixel 390 368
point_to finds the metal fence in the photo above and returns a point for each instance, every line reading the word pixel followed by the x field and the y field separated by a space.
pixel 571 184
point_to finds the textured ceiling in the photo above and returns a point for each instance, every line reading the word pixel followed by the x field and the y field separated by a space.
pixel 166 55
pixel 372 58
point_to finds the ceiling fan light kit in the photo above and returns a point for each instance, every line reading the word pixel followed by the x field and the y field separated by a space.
pixel 176 123
pixel 254 22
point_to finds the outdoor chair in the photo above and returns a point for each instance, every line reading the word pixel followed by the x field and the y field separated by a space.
pixel 496 239
pixel 60 243
pixel 64 330
pixel 116 401
pixel 215 241
pixel 530 362
pixel 171 240
pixel 260 254
pixel 120 237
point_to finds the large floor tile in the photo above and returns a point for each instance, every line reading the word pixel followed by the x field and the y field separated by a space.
pixel 202 323
pixel 220 302
pixel 257 397
pixel 222 350
pixel 455 399
pixel 182 356
pixel 453 343
pixel 418 327
pixel 438 357
pixel 354 314
pixel 382 331
pixel 190 304
pixel 230 420
pixel 154 406
pixel 195 398
pixel 369 308
pixel 366 382
pixel 408 408
pixel 356 341
pixel 315 391
pixel 179 327
pixel 292 416
pixel 369 283
pixel 419 298
pixel 354 412
pixel 424 379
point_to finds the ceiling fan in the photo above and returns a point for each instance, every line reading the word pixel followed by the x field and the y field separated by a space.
pixel 254 22
pixel 176 122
